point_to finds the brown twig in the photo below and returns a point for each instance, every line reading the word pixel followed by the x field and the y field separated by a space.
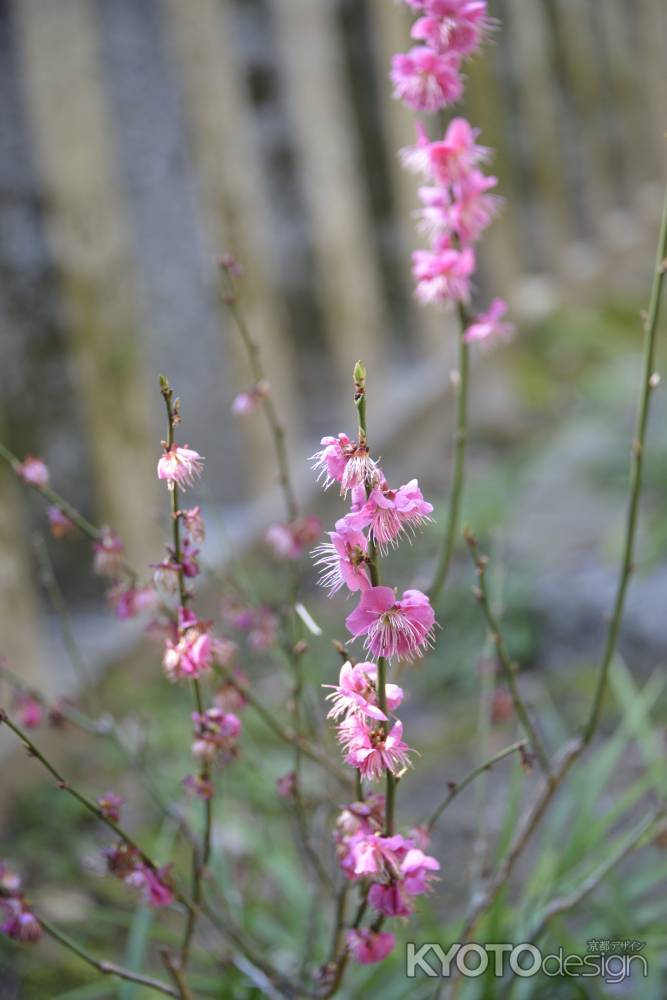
pixel 455 787
pixel 509 670
pixel 104 967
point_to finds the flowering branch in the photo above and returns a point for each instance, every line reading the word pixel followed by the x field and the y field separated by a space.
pixel 282 732
pixel 104 726
pixel 649 382
pixel 200 854
pixel 373 562
pixel 261 389
pixel 508 667
pixel 103 966
pixel 92 807
pixel 391 869
pixel 455 787
pixel 34 473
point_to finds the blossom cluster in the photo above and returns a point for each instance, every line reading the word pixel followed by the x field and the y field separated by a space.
pixel 17 920
pixel 396 869
pixel 191 649
pixel 125 863
pixel 393 868
pixel 457 199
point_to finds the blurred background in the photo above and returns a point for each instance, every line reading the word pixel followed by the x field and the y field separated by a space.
pixel 141 139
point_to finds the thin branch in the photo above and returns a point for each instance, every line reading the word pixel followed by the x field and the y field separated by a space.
pixel 104 967
pixel 85 526
pixel 524 831
pixel 287 735
pixel 509 670
pixel 59 605
pixel 174 969
pixel 106 727
pixel 461 440
pixel 648 383
pixel 276 428
pixel 88 804
pixel 456 787
pixel 227 927
pixel 200 854
pixel 374 573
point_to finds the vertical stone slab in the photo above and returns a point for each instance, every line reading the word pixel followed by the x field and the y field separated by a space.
pixel 87 228
pixel 232 203
pixel 311 65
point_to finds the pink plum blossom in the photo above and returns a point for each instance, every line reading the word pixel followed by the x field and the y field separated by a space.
pixel 108 554
pixel 180 466
pixel 216 733
pixel 289 541
pixel 390 899
pixel 343 559
pixel 368 946
pixel 425 80
pixel 153 882
pixel 19 923
pixel 199 785
pixel 443 274
pixel 246 402
pixel 490 325
pixel 194 524
pixel 30 711
pixel 389 513
pixel 60 524
pixel 371 750
pixel 452 25
pixel 449 159
pixel 110 805
pixel 417 871
pixel 33 470
pixel 473 209
pixel 377 855
pixel 356 692
pixel 347 462
pixel 286 785
pixel 395 629
pixel 129 602
pixel 190 656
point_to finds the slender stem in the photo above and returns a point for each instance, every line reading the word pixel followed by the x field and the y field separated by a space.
pixel 57 599
pixel 88 804
pixel 105 726
pixel 374 572
pixel 106 968
pixel 85 526
pixel 524 831
pixel 82 523
pixel 456 787
pixel 174 969
pixel 287 735
pixel 648 383
pixel 253 953
pixel 461 439
pixel 200 853
pixel 268 406
pixel 509 670
pixel 574 750
pixel 294 656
